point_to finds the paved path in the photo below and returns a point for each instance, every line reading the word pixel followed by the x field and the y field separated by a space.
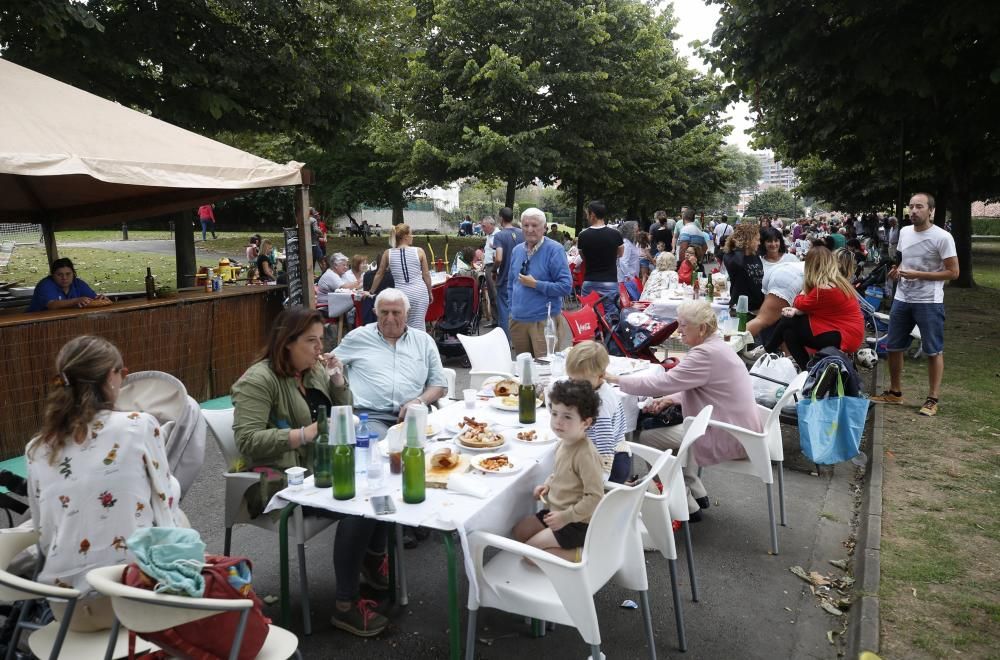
pixel 751 606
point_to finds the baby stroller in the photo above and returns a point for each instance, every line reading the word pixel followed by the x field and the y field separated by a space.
pixel 624 339
pixel 461 315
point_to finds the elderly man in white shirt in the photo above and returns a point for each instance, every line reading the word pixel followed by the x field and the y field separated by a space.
pixel 389 365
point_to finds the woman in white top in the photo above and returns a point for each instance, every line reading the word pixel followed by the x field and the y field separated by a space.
pixel 95 475
pixel 772 249
pixel 408 266
pixel 661 279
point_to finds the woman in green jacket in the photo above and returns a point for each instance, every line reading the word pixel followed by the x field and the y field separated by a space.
pixel 276 403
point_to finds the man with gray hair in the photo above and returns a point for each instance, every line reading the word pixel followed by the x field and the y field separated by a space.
pixel 389 365
pixel 338 275
pixel 539 279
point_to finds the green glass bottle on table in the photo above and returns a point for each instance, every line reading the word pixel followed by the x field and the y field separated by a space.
pixel 414 467
pixel 322 466
pixel 343 455
pixel 526 392
pixel 743 312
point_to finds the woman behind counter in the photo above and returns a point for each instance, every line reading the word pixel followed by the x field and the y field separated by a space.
pixel 276 403
pixel 62 289
pixel 95 475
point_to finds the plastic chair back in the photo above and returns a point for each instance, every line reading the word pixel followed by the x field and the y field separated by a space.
pixel 615 520
pixel 220 423
pixel 489 352
pixel 13 587
pixel 582 323
pixel 793 389
pixel 141 610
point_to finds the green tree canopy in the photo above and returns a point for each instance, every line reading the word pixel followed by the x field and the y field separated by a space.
pixel 774 201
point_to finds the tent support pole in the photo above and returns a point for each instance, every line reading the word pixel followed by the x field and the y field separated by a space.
pixel 305 244
pixel 49 237
pixel 187 266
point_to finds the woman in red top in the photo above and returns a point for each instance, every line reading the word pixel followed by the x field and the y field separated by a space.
pixel 691 265
pixel 826 313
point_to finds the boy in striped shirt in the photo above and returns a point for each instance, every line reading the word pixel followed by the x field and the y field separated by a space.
pixel 588 361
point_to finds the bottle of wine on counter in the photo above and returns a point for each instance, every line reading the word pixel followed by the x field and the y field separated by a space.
pixel 322 452
pixel 150 284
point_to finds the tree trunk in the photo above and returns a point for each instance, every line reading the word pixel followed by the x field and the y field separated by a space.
pixel 960 201
pixel 511 189
pixel 579 208
pixel 398 204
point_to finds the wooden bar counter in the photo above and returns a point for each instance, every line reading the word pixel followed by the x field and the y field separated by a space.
pixel 207 340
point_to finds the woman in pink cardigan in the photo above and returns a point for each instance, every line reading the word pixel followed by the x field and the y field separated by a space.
pixel 710 374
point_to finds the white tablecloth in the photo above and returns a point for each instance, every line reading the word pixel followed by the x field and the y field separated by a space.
pixel 666 308
pixel 509 499
pixel 339 303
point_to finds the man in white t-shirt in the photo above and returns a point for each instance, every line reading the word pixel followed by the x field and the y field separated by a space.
pixel 927 258
pixel 489 226
pixel 723 230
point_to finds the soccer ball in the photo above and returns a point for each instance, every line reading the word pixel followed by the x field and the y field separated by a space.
pixel 865 358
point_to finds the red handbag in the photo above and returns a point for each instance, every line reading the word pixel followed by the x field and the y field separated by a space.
pixel 212 637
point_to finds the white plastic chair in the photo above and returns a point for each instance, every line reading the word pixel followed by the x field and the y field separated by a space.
pixel 656 512
pixel 144 611
pixel 451 376
pixel 300 528
pixel 55 638
pixel 763 449
pixel 489 355
pixel 563 591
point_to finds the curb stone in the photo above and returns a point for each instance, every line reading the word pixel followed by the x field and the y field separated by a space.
pixel 863 628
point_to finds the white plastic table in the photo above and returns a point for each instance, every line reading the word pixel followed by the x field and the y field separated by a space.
pixel 509 500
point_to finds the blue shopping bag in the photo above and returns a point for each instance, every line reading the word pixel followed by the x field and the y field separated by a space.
pixel 830 429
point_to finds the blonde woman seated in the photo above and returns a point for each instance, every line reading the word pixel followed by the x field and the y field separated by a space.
pixel 661 279
pixel 710 374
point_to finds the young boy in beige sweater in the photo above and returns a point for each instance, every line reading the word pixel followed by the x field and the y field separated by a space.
pixel 576 485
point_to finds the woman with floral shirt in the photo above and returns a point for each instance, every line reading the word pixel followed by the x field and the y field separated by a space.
pixel 95 475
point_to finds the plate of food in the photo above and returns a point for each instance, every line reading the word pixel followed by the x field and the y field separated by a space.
pixel 510 403
pixel 496 464
pixel 532 437
pixel 442 464
pixel 477 436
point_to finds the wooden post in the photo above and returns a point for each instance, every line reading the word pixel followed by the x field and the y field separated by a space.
pixel 187 266
pixel 49 237
pixel 305 244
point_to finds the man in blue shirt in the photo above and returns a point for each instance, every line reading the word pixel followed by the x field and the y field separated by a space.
pixel 503 248
pixel 390 366
pixel 538 277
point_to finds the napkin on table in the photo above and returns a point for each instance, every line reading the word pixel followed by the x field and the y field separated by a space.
pixel 465 484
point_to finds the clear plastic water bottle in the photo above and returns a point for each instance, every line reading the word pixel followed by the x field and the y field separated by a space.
pixel 361 445
pixel 375 469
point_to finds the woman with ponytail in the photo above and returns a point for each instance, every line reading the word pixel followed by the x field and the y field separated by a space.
pixel 410 272
pixel 95 475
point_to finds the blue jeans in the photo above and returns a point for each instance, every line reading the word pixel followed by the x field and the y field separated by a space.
pixel 503 308
pixel 206 226
pixel 609 289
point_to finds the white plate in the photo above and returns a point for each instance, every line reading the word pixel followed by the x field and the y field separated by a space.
pixel 497 402
pixel 464 447
pixel 637 318
pixel 542 437
pixel 515 465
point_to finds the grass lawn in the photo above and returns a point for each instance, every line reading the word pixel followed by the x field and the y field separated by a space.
pixel 940 595
pixel 114 272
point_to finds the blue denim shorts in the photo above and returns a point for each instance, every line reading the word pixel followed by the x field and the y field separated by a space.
pixel 929 317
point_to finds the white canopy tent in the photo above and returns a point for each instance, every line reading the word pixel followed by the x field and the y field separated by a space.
pixel 69 158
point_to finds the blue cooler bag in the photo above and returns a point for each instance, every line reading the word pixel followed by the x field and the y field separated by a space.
pixel 830 429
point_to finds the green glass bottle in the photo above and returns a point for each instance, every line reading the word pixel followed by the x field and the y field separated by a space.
pixel 322 452
pixel 343 457
pixel 744 317
pixel 526 404
pixel 414 469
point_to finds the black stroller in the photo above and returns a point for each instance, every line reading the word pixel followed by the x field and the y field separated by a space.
pixel 461 315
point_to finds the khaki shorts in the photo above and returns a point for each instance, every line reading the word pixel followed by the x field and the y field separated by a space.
pixel 529 336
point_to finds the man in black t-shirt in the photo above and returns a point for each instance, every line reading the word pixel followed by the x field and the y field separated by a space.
pixel 660 233
pixel 600 246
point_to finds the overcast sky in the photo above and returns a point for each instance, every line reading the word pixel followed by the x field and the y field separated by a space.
pixel 696 20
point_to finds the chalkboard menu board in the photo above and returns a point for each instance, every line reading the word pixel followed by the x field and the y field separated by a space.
pixel 293 268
